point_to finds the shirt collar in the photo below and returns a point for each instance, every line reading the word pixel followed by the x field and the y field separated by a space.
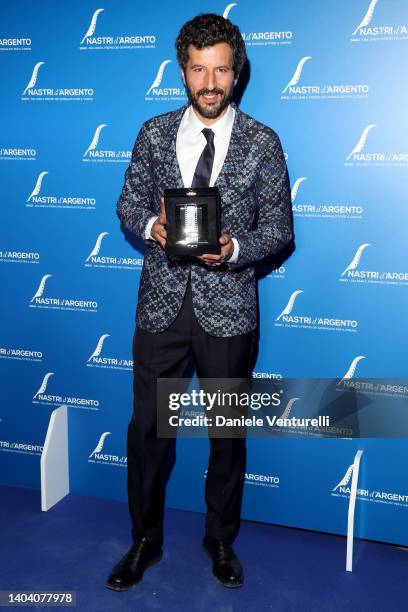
pixel 218 127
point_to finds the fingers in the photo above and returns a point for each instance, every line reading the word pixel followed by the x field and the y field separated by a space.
pixel 159 232
pixel 227 249
pixel 212 260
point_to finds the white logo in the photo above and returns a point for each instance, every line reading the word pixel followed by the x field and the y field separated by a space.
pixel 295 79
pixel 106 459
pixel 356 259
pixel 41 287
pixel 60 303
pixel 288 308
pixel 329 323
pixel 113 363
pixel 363 139
pixel 97 246
pixel 94 260
pixel 294 91
pixel 95 139
pixel 365 32
pixel 44 384
pixel 35 200
pixel 166 93
pixel 325 210
pixel 342 489
pixel 159 76
pixel 50 94
pixel 99 346
pixel 346 478
pixel 92 25
pixel 351 371
pixel 367 17
pixel 98 448
pixel 112 42
pixel 296 187
pixel 37 187
pixel 358 157
pixel 57 399
pixel 352 275
pixel 94 154
pixel 227 10
pixel 34 76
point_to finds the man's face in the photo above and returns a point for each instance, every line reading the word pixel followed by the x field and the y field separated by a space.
pixel 209 79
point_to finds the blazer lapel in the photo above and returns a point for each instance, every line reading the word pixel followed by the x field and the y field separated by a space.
pixel 170 175
pixel 238 150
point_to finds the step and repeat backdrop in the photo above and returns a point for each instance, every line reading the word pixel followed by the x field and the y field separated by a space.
pixel 78 80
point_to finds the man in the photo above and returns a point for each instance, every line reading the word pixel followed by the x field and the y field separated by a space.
pixel 206 309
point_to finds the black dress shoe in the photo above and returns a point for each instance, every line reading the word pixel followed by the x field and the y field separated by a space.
pixel 129 570
pixel 226 565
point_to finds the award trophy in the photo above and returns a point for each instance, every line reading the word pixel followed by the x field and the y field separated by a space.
pixel 193 222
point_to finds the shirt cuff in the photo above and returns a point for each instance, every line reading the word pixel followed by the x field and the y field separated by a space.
pixel 235 254
pixel 148 228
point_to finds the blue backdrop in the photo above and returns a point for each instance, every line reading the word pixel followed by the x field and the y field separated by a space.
pixel 78 81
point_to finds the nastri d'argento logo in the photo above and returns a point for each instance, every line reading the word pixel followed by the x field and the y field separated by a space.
pixel 354 274
pixel 343 489
pixel 93 153
pixel 97 360
pixel 97 456
pixel 322 210
pixel 51 94
pixel 37 200
pixel 112 42
pixel 360 157
pixel 60 303
pixel 95 260
pixel 157 92
pixel 46 398
pixel 391 30
pixel 295 90
pixel 320 322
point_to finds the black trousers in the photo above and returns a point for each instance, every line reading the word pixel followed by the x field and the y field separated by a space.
pixel 168 354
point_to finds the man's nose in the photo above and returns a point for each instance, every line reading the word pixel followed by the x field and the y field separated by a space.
pixel 210 80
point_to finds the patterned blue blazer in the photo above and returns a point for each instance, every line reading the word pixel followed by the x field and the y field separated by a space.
pixel 255 209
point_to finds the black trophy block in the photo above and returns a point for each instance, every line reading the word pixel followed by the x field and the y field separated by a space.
pixel 193 222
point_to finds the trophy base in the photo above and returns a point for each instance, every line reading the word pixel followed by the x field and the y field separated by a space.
pixel 192 250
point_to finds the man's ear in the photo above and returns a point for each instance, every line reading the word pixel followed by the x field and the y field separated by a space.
pixel 183 75
pixel 236 79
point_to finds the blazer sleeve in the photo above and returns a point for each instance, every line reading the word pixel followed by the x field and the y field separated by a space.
pixel 274 229
pixel 135 204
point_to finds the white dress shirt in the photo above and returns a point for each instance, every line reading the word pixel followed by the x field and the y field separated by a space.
pixel 189 146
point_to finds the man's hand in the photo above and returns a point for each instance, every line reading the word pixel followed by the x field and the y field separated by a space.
pixel 227 249
pixel 158 230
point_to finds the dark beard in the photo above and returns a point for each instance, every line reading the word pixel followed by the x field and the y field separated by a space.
pixel 210 113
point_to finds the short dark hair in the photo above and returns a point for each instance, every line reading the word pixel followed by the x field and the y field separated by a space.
pixel 208 30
